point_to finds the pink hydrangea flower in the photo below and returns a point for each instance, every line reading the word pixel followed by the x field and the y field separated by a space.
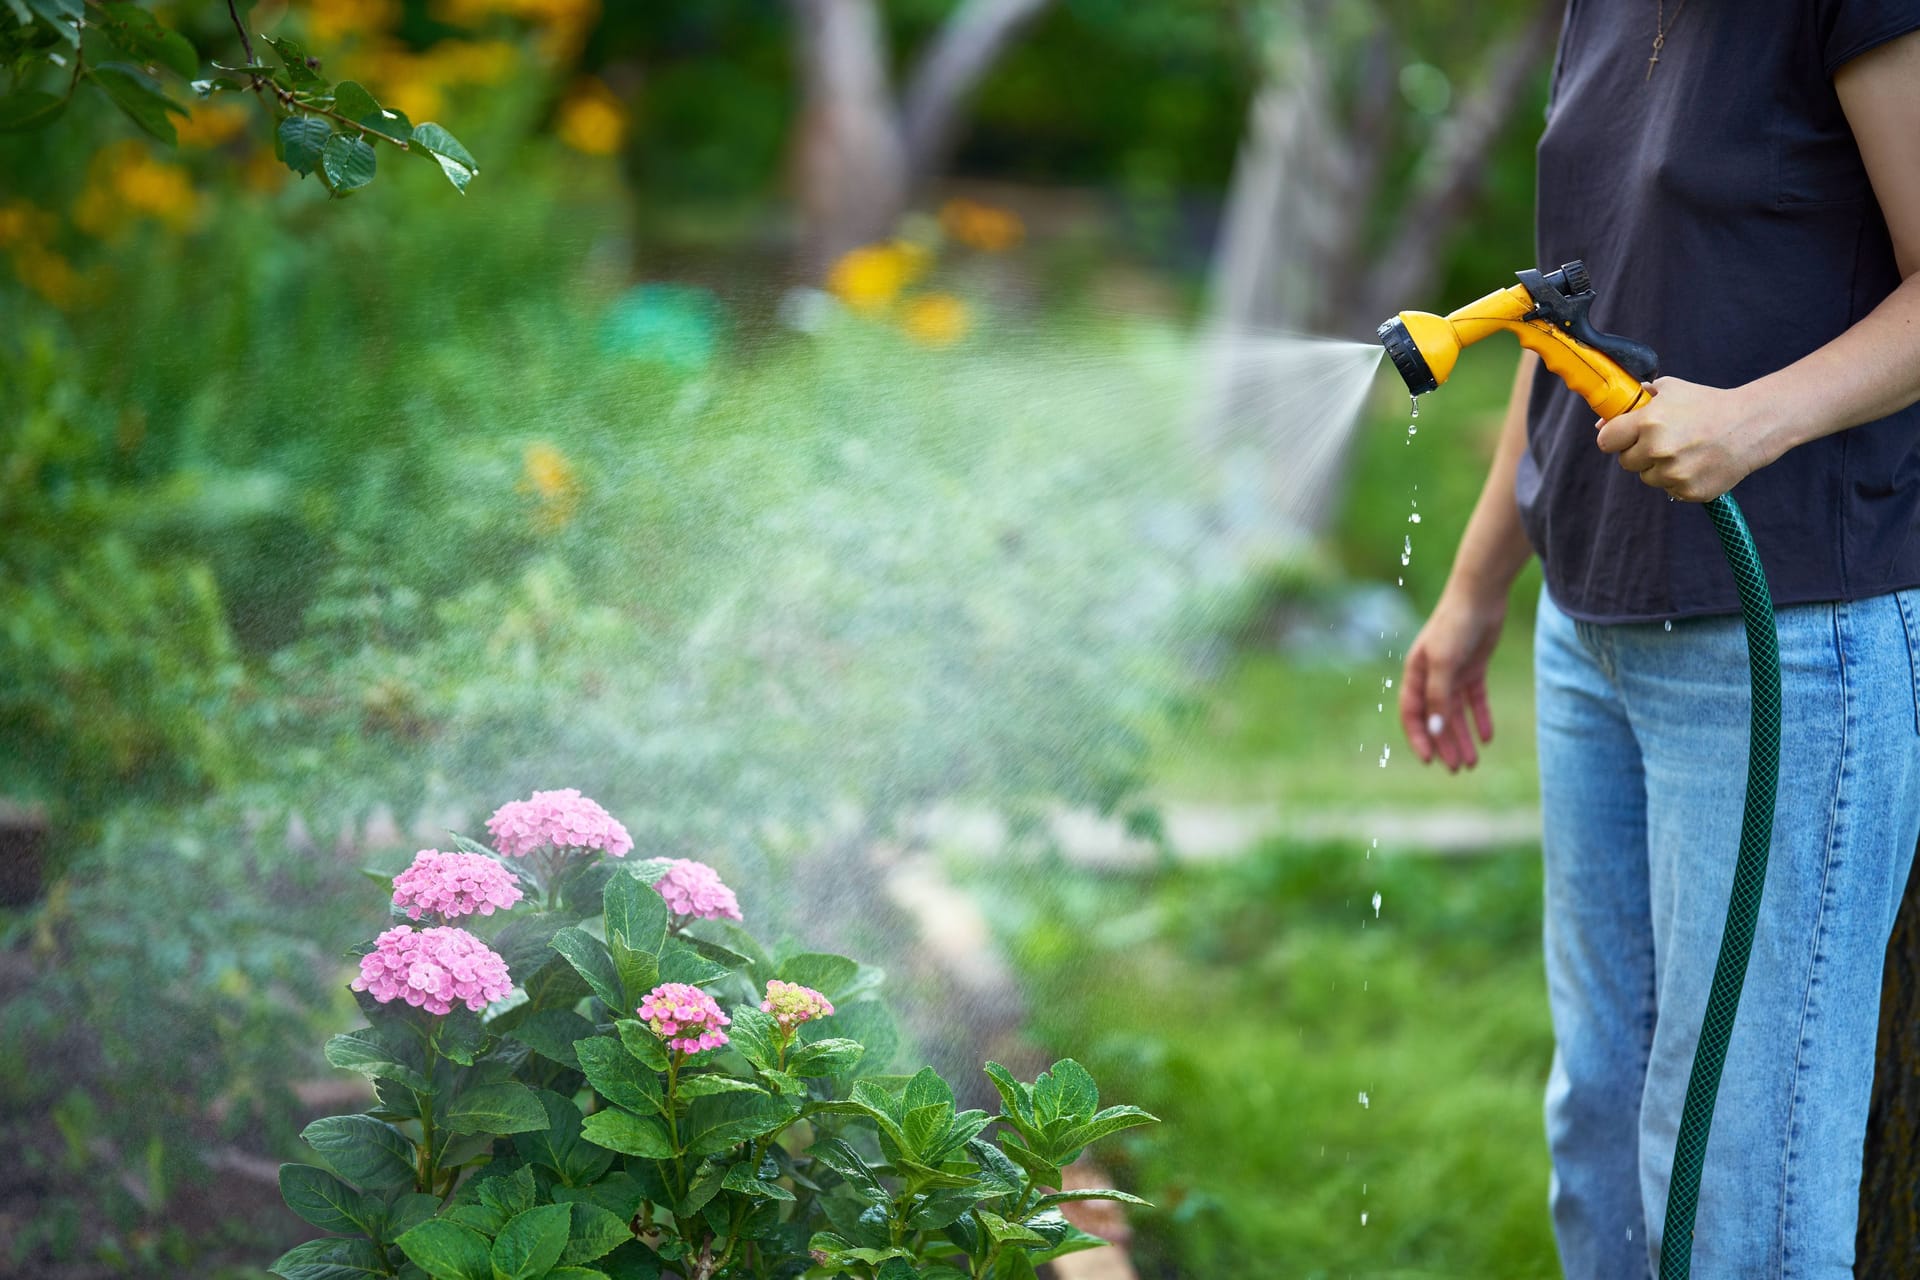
pixel 454 884
pixel 686 1017
pixel 695 889
pixel 565 819
pixel 792 1004
pixel 432 969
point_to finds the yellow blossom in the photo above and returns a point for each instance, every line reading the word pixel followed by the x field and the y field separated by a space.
pixel 869 278
pixel 592 119
pixel 125 182
pixel 547 475
pixel 417 83
pixel 48 274
pixel 212 123
pixel 981 226
pixel 332 21
pixel 935 319
pixel 564 23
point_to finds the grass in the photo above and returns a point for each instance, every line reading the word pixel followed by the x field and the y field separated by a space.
pixel 1250 1005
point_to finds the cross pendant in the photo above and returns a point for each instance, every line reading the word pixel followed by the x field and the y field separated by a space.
pixel 1654 61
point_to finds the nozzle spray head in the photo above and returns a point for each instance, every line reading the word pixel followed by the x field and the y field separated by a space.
pixel 1406 357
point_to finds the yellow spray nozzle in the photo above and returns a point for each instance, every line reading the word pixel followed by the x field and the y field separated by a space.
pixel 1548 314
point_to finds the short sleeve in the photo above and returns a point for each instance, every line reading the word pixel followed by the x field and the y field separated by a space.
pixel 1848 28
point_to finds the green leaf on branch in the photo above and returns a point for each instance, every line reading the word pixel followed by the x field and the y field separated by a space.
pixel 139 96
pixel 333 1259
pixel 708 1085
pixel 559 1146
pixel 929 1110
pixel 743 1178
pixel 830 975
pixel 29 109
pixel 355 103
pixel 825 1057
pixel 1112 1120
pixel 617 1077
pixel 448 1251
pixel 838 1156
pixel 460 1035
pixel 405 1213
pixel 294 56
pixel 640 1041
pixel 301 139
pixel 637 913
pixel 364 1151
pixel 503 1108
pixel 681 963
pixel 140 35
pixel 1065 1197
pixel 1017 1101
pixel 365 1052
pixel 628 1134
pixel 348 163
pixel 717 1123
pixel 454 159
pixel 323 1199
pixel 590 960
pixel 551 1034
pixel 21 14
pixel 593 1233
pixel 64 16
pixel 1003 1232
pixel 531 1243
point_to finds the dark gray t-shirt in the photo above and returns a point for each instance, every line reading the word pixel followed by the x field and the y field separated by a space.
pixel 1727 220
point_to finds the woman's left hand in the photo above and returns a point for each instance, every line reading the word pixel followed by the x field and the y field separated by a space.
pixel 1695 442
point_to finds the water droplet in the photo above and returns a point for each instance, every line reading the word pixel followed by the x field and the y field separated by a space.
pixel 1363 1217
pixel 1414 518
pixel 1669 624
pixel 1376 906
pixel 1365 1101
pixel 1412 430
pixel 1384 753
pixel 1379 706
pixel 1400 581
pixel 1406 558
pixel 1415 402
pixel 1389 682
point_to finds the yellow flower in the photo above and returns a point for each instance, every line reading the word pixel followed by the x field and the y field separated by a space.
pixel 565 23
pixel 48 274
pixel 591 119
pixel 869 278
pixel 125 182
pixel 212 123
pixel 547 475
pixel 332 21
pixel 981 226
pixel 935 319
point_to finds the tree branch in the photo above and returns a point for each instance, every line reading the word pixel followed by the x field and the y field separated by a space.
pixel 1448 183
pixel 246 45
pixel 959 57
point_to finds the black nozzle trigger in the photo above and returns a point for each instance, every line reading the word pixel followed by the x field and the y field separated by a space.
pixel 1569 312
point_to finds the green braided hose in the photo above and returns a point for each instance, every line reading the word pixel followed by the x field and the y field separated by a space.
pixel 1749 878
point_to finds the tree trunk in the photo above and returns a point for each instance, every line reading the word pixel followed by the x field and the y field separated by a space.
pixel 1888 1243
pixel 849 159
pixel 968 45
pixel 1449 181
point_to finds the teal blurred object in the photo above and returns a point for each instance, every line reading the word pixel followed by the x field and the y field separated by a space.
pixel 676 324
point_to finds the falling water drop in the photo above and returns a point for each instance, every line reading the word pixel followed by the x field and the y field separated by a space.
pixel 1414 518
pixel 1365 1101
pixel 1416 405
pixel 1363 1217
pixel 1669 624
pixel 1376 906
pixel 1384 753
pixel 1406 554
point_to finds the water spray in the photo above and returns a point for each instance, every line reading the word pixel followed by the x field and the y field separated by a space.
pixel 1548 313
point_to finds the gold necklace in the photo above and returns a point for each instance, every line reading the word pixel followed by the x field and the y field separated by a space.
pixel 1660 32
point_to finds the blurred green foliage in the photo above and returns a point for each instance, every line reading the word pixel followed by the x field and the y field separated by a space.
pixel 1386 1070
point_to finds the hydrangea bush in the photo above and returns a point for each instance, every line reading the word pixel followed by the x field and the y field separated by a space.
pixel 619 1082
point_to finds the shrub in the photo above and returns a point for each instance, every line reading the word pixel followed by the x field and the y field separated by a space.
pixel 659 1095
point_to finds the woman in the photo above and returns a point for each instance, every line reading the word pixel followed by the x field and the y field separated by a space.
pixel 1743 182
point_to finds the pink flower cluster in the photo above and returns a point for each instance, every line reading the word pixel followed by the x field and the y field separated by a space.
pixel 686 1017
pixel 792 1004
pixel 454 884
pixel 432 969
pixel 695 889
pixel 565 819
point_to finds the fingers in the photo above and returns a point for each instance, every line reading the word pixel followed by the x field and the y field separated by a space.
pixel 1413 704
pixel 1617 435
pixel 1453 741
pixel 1482 712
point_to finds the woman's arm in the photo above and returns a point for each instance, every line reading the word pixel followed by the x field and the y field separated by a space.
pixel 1446 667
pixel 1698 442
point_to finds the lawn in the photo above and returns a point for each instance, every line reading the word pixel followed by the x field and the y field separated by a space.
pixel 1345 1095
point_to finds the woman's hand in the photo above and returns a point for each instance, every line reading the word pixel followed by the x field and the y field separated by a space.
pixel 1446 674
pixel 1695 442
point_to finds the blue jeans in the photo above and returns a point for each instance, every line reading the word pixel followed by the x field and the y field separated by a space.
pixel 1643 754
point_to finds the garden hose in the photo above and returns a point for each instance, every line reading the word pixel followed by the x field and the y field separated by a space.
pixel 1548 312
